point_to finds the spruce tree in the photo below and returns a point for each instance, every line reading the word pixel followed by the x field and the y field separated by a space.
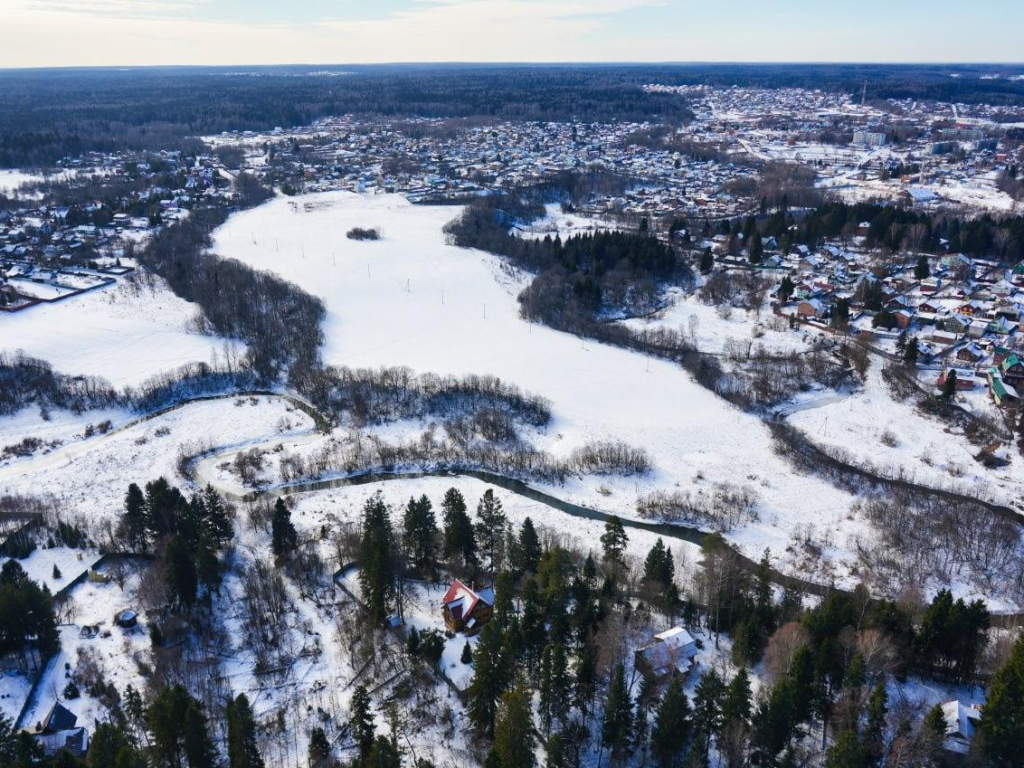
pixel 921 268
pixel 179 730
pixel 242 749
pixel 376 566
pixel 949 385
pixel 180 573
pixel 319 748
pixel 1002 717
pixel 613 543
pixel 420 533
pixel 217 523
pixel 555 686
pixel 384 754
pixel 513 730
pixel 874 728
pixel 109 746
pixel 707 707
pixel 197 747
pixel 755 250
pixel 283 538
pixel 556 752
pixel 707 262
pixel 532 630
pixel 490 679
pixel 132 526
pixel 360 723
pixel 672 726
pixel 786 288
pixel 459 538
pixel 529 548
pixel 659 566
pixel 847 752
pixel 490 530
pixel 616 728
pixel 911 353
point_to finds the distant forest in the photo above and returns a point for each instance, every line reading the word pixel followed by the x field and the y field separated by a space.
pixel 50 114
pixel 53 113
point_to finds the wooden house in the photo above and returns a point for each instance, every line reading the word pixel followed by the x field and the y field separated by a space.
pixel 466 610
pixel 669 654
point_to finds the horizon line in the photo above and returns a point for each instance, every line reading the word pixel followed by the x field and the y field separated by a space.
pixel 530 63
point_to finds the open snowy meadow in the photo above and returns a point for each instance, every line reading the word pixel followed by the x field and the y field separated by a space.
pixel 411 299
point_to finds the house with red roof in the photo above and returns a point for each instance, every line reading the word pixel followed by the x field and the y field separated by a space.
pixel 466 610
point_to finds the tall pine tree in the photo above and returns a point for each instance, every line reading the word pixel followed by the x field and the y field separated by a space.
pixel 376 566
pixel 242 749
pixel 283 538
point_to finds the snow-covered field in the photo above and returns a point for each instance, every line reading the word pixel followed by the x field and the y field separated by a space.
pixel 713 330
pixel 56 428
pixel 411 299
pixel 90 477
pixel 12 180
pixel 123 334
pixel 557 222
pixel 878 430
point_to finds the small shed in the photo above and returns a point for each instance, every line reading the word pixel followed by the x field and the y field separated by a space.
pixel 126 618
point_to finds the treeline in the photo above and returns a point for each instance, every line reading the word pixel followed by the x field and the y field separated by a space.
pixel 562 618
pixel 173 729
pixel 27 620
pixel 25 380
pixel 576 280
pixel 896 228
pixel 917 82
pixel 278 321
pixel 185 534
pixel 457 450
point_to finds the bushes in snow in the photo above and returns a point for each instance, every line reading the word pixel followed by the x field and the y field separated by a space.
pixel 381 395
pixel 920 539
pixel 363 455
pixel 360 233
pixel 724 508
pixel 610 457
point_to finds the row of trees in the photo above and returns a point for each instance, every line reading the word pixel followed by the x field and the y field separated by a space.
pixel 27 620
pixel 279 322
pixel 580 277
pixel 467 548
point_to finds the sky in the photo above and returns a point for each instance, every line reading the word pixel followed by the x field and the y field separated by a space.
pixel 55 33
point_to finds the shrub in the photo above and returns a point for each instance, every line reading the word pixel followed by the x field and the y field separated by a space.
pixel 360 233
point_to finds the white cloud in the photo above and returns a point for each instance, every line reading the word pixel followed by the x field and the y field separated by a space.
pixel 46 33
pixel 115 8
pixel 63 32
